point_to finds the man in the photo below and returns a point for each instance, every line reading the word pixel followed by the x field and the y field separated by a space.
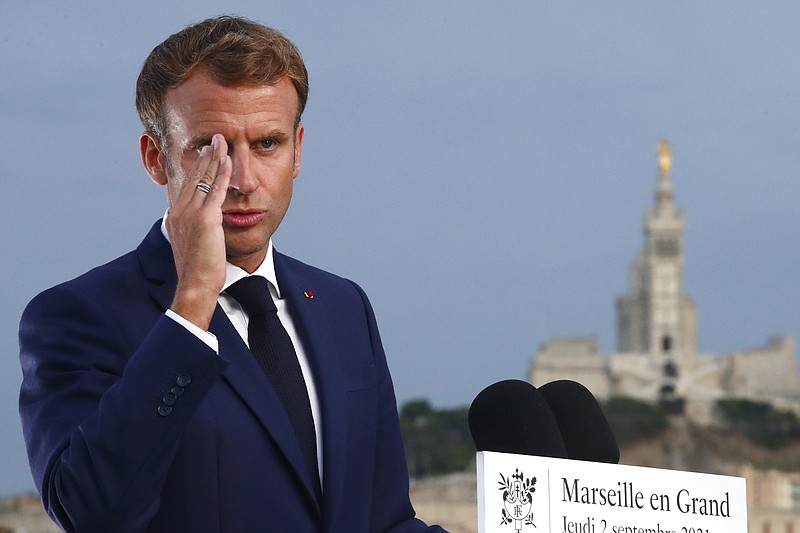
pixel 142 406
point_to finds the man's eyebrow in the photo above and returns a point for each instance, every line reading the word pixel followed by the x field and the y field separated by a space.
pixel 279 136
pixel 200 140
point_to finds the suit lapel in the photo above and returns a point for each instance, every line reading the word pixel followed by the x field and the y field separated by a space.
pixel 312 324
pixel 158 267
pixel 247 378
pixel 243 373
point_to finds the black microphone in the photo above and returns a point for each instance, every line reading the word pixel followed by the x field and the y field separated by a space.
pixel 581 421
pixel 512 417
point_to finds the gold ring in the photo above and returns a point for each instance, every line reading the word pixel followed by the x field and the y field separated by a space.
pixel 203 186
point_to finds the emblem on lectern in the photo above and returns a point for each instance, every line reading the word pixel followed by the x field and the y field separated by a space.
pixel 517 500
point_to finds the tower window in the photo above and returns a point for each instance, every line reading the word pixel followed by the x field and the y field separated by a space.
pixel 667 247
pixel 666 343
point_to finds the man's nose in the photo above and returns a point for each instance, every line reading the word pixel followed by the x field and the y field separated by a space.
pixel 242 178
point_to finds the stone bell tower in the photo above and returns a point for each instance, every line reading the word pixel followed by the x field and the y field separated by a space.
pixel 657 359
pixel 656 318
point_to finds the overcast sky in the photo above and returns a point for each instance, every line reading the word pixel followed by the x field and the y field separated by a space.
pixel 480 168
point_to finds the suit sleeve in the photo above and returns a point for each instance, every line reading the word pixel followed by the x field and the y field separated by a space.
pixel 103 410
pixel 392 510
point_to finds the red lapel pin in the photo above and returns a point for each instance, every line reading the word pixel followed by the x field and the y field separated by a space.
pixel 308 294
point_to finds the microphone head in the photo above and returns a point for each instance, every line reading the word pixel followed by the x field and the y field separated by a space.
pixel 512 417
pixel 580 419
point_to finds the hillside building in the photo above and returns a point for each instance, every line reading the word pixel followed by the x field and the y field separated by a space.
pixel 657 358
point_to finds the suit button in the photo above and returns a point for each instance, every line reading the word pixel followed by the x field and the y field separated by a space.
pixel 164 410
pixel 183 381
pixel 177 391
pixel 169 399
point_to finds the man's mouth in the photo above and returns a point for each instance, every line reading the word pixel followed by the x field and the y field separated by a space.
pixel 242 219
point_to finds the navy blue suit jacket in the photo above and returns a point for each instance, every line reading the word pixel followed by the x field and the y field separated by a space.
pixel 133 424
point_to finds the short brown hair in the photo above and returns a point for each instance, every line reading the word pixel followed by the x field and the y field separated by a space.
pixel 235 51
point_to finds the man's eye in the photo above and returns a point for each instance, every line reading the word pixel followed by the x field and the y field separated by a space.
pixel 267 144
pixel 196 147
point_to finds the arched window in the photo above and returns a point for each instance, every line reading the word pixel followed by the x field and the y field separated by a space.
pixel 666 343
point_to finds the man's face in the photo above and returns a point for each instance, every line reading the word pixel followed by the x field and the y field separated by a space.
pixel 258 124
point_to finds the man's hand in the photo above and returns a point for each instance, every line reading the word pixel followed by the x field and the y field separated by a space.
pixel 195 231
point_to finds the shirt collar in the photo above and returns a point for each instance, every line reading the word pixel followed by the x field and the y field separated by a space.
pixel 233 273
pixel 266 269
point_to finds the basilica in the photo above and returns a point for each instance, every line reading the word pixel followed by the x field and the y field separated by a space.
pixel 657 359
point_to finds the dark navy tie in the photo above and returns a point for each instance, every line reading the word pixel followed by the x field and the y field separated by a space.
pixel 274 351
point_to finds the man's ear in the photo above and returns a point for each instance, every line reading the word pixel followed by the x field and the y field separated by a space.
pixel 153 157
pixel 298 149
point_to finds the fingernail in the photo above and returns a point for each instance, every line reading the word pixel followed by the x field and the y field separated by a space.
pixel 204 150
pixel 214 141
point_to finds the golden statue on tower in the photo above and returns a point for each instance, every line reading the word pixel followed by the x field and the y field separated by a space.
pixel 664 158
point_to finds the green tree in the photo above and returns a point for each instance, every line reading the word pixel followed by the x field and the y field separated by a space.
pixel 436 441
pixel 760 422
pixel 633 420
